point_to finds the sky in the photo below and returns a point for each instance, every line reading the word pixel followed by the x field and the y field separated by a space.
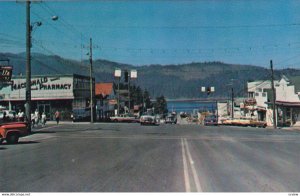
pixel 160 31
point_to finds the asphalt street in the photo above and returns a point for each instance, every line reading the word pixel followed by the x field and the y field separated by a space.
pixel 83 157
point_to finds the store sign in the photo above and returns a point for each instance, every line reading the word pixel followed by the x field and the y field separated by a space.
pixel 42 84
pixel 43 87
pixel 5 73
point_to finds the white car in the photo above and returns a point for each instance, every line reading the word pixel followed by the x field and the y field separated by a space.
pixel 124 118
pixel 148 120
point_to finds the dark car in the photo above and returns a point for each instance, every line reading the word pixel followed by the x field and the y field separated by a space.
pixel 171 119
pixel 210 120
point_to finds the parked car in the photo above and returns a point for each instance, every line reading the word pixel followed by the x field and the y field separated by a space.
pixel 244 122
pixel 183 114
pixel 83 114
pixel 11 132
pixel 210 120
pixel 148 120
pixel 124 118
pixel 171 119
pixel 9 114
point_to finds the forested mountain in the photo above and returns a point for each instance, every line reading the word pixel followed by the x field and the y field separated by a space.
pixel 172 81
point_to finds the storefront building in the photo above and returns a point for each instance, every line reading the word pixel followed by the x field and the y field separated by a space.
pixel 106 101
pixel 49 93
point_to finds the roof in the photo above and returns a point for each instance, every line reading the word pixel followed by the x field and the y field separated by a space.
pixel 295 80
pixel 103 89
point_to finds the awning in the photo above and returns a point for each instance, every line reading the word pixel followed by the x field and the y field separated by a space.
pixel 286 103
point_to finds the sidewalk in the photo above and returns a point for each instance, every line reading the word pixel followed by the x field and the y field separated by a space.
pixel 53 122
pixel 293 128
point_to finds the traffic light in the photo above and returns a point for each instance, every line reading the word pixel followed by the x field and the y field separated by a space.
pixel 126 76
pixel 208 90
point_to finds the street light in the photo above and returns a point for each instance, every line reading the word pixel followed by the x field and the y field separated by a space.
pixel 209 90
pixel 133 75
pixel 118 73
pixel 128 76
pixel 232 98
pixel 29 28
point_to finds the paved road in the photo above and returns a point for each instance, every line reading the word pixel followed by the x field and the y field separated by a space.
pixel 165 158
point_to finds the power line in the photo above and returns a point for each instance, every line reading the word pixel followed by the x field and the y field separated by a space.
pixel 61 20
pixel 68 62
pixel 54 27
pixel 189 26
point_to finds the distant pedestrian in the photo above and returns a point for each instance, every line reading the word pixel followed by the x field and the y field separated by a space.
pixel 37 117
pixel 43 119
pixel 33 121
pixel 4 117
pixel 21 116
pixel 57 116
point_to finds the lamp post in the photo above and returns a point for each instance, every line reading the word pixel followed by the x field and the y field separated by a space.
pixel 232 103
pixel 29 29
pixel 209 90
pixel 133 75
pixel 91 82
pixel 232 98
pixel 118 73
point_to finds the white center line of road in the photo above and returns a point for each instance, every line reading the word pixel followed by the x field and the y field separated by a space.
pixel 194 171
pixel 185 169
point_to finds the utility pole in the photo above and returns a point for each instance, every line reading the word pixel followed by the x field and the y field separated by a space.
pixel 232 103
pixel 28 67
pixel 274 96
pixel 119 96
pixel 91 81
pixel 129 93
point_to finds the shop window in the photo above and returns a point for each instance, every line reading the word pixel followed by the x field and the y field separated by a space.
pixel 251 94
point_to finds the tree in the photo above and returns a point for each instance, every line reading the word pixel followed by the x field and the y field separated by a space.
pixel 160 106
pixel 147 101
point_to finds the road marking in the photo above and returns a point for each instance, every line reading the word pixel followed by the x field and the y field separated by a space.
pixel 194 171
pixel 185 169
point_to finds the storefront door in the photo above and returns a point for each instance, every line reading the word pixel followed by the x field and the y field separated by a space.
pixel 44 108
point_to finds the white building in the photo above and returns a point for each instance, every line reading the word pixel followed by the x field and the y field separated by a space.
pixel 260 101
pixel 65 93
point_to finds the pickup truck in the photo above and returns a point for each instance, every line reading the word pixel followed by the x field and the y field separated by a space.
pixel 11 132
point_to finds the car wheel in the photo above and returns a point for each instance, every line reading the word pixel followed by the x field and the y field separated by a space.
pixel 1 141
pixel 115 120
pixel 12 138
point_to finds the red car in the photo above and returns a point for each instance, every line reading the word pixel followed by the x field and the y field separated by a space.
pixel 11 132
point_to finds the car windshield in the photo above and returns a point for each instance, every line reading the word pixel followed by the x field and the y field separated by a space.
pixel 210 117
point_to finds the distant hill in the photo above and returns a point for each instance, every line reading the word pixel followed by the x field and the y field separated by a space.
pixel 172 81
